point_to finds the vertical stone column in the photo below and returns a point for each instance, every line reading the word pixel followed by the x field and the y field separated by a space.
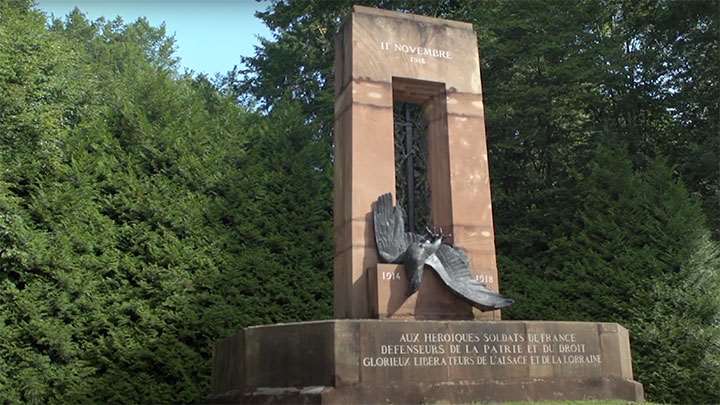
pixel 364 169
pixel 378 54
pixel 472 221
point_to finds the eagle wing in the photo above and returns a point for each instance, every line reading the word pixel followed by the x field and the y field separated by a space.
pixel 390 236
pixel 453 267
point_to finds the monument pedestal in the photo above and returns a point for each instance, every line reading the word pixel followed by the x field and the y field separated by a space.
pixel 396 361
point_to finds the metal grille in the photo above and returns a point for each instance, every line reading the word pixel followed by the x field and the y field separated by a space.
pixel 411 183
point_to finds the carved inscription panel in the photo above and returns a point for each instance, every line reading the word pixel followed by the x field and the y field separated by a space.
pixel 434 352
pixel 417 54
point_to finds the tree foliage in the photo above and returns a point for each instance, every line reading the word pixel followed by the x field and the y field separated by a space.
pixel 641 256
pixel 143 215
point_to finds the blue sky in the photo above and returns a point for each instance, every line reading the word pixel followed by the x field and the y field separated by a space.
pixel 210 36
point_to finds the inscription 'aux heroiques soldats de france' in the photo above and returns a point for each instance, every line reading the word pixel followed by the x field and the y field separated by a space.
pixel 482 349
pixel 417 53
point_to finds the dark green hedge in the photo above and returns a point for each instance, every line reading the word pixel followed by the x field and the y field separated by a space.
pixel 143 216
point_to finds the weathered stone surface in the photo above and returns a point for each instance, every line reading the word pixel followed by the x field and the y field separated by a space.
pixel 389 285
pixel 229 368
pixel 382 57
pixel 361 361
pixel 296 355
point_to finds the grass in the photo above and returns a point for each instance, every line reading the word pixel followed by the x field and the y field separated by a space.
pixel 592 402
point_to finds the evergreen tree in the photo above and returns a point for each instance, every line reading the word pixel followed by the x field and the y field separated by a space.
pixel 643 257
pixel 143 215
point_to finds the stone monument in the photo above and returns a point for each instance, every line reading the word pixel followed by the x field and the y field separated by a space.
pixel 386 345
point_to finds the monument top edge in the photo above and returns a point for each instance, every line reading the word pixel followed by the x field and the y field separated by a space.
pixel 412 17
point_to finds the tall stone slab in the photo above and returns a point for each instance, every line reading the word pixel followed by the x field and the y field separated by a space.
pixel 382 57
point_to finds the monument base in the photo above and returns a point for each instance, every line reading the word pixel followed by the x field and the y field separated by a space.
pixel 371 361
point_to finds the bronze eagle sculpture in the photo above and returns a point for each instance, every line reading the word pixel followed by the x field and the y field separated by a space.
pixel 395 245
